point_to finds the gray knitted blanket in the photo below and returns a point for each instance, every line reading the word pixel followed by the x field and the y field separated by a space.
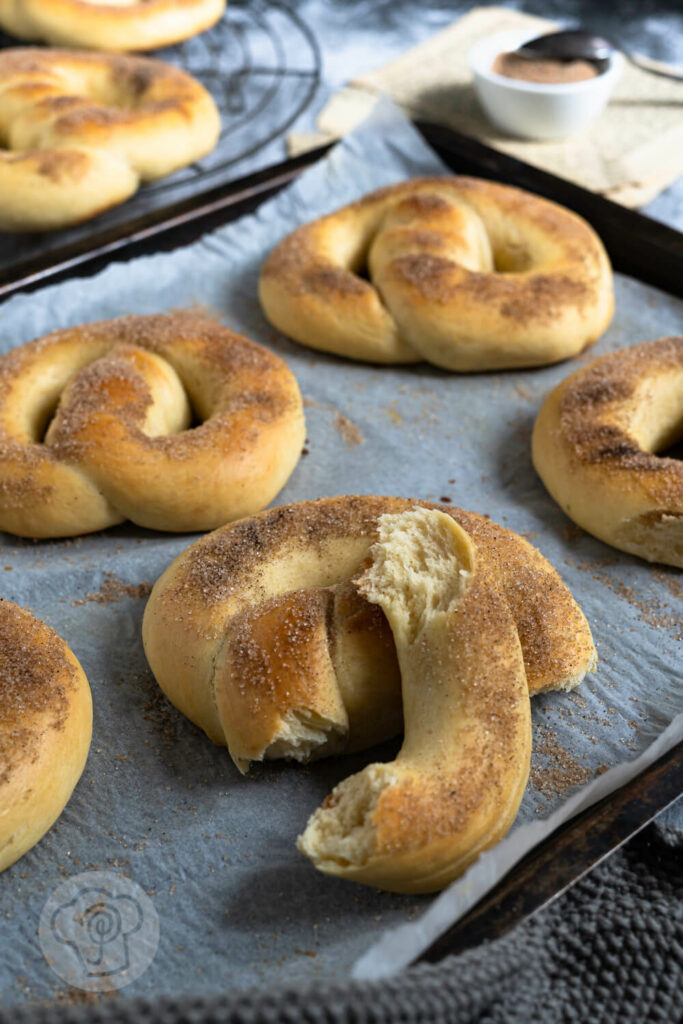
pixel 609 950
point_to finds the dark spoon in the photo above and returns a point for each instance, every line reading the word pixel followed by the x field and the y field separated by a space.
pixel 577 44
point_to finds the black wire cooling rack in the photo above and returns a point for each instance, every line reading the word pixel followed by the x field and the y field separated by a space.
pixel 262 65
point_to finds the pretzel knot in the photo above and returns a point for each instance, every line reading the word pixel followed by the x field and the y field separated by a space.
pixel 463 273
pixel 83 130
pixel 327 626
pixel 596 441
pixel 97 425
pixel 116 25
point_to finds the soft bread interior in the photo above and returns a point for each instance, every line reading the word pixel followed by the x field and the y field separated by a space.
pixel 657 413
pixel 420 568
pixel 655 536
pixel 302 735
pixel 342 832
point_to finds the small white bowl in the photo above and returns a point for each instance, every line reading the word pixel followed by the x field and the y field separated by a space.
pixel 535 110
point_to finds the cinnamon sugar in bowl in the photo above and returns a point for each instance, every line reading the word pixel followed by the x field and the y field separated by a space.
pixel 539 109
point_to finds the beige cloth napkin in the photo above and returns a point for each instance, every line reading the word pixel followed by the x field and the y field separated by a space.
pixel 630 153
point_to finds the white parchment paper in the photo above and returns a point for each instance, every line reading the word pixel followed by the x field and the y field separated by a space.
pixel 158 802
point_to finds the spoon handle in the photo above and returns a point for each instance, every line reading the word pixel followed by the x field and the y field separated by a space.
pixel 654 67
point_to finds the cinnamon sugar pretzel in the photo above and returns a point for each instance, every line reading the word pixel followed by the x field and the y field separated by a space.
pixel 82 131
pixel 463 273
pixel 595 445
pixel 96 426
pixel 45 729
pixel 324 627
pixel 109 24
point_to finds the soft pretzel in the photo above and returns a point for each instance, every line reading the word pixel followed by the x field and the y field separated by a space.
pixel 109 24
pixel 260 635
pixel 454 789
pixel 83 130
pixel 120 397
pixel 595 443
pixel 45 729
pixel 466 274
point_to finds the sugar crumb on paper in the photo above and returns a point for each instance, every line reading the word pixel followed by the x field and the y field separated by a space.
pixel 655 611
pixel 350 433
pixel 559 771
pixel 113 590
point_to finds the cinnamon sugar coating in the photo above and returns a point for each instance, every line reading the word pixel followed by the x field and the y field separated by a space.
pixel 81 131
pixel 553 633
pixel 35 675
pixel 264 635
pixel 596 443
pixel 467 274
pixel 173 421
pixel 45 728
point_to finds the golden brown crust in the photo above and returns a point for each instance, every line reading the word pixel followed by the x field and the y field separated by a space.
pixel 553 632
pixel 141 25
pixel 246 565
pixel 465 273
pixel 259 634
pixel 117 445
pixel 415 823
pixel 595 443
pixel 35 678
pixel 45 726
pixel 57 165
pixel 82 130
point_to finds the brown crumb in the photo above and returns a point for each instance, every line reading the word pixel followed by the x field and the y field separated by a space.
pixel 666 577
pixel 394 414
pixel 79 997
pixel 559 771
pixel 350 433
pixel 113 590
pixel 655 611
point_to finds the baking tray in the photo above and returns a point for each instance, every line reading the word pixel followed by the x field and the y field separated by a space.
pixel 638 247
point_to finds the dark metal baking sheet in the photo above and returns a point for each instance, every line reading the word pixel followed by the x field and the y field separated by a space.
pixel 565 857
pixel 638 246
pixel 461 156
